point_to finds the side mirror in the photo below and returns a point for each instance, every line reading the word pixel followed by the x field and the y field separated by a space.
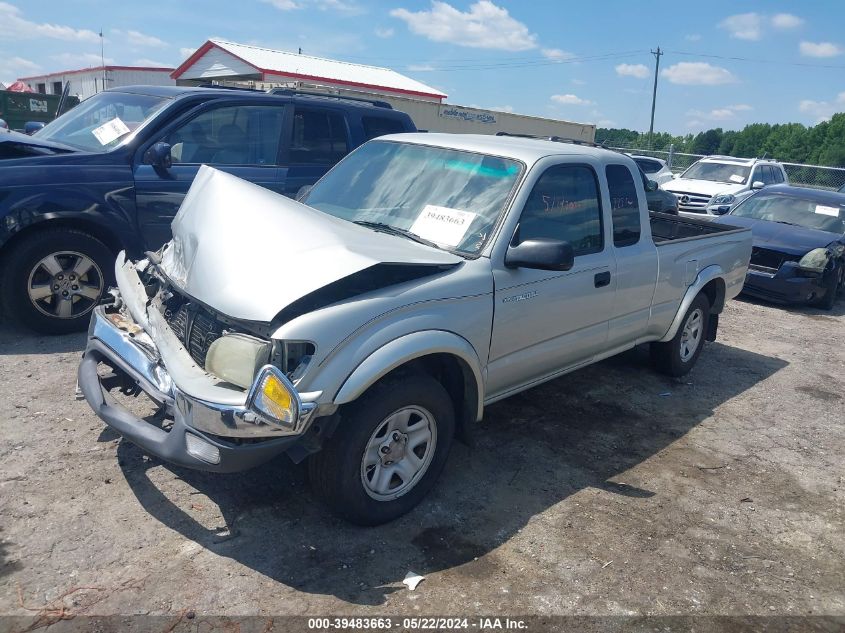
pixel 31 127
pixel 758 184
pixel 541 253
pixel 159 156
pixel 651 185
pixel 303 191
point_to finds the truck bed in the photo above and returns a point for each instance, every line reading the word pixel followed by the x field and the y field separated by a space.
pixel 672 228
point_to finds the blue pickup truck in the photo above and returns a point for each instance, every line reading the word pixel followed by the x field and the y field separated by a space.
pixel 110 175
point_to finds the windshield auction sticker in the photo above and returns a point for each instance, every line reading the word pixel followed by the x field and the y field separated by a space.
pixel 834 211
pixel 110 130
pixel 442 224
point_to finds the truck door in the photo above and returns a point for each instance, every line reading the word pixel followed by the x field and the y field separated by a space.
pixel 635 254
pixel 547 321
pixel 239 138
pixel 318 138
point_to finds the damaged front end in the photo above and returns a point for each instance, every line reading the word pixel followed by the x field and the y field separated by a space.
pixel 225 390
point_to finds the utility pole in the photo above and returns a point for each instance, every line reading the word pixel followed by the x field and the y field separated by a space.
pixel 657 55
pixel 103 57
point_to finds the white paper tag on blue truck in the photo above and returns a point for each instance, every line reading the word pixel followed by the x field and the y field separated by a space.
pixel 110 130
pixel 442 225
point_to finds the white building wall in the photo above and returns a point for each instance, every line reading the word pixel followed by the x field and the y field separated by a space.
pixel 89 82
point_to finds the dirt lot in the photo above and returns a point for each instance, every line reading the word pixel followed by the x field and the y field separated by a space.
pixel 608 492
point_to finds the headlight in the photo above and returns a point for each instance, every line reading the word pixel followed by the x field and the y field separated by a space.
pixel 723 198
pixel 236 358
pixel 816 260
pixel 274 399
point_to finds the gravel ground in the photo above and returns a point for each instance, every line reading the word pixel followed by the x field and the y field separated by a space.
pixel 612 491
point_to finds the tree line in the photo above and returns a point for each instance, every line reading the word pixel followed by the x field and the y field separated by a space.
pixel 820 144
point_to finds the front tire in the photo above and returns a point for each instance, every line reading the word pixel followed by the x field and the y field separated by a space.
pixel 53 279
pixel 388 451
pixel 678 356
pixel 831 291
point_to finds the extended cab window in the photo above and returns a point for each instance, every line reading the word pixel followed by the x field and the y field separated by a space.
pixel 624 204
pixel 229 135
pixel 564 205
pixel 375 126
pixel 319 137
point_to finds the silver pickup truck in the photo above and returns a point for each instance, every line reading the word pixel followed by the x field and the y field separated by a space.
pixel 363 328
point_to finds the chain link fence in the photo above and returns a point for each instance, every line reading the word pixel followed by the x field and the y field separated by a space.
pixel 816 176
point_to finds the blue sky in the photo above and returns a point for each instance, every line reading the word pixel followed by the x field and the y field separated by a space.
pixel 726 64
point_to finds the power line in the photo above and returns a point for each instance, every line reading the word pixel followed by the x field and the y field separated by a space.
pixel 758 61
pixel 526 63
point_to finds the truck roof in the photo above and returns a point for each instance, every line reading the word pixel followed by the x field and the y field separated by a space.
pixel 174 92
pixel 528 150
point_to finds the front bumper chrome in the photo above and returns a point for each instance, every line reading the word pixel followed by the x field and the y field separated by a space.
pixel 116 340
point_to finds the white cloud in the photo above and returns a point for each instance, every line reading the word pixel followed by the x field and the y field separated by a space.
pixel 14 26
pixel 579 82
pixel 823 110
pixel 820 49
pixel 69 60
pixel 640 71
pixel 556 54
pixel 185 53
pixel 504 108
pixel 13 67
pixel 152 63
pixel 724 113
pixel 421 68
pixel 570 99
pixel 485 25
pixel 786 21
pixel 744 26
pixel 323 5
pixel 740 107
pixel 384 33
pixel 698 74
pixel 606 123
pixel 692 37
pixel 136 38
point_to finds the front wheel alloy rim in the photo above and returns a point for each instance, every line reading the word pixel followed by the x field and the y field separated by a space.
pixel 691 334
pixel 65 285
pixel 398 453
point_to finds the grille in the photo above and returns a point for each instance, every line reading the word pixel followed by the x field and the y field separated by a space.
pixel 767 260
pixel 196 327
pixel 693 202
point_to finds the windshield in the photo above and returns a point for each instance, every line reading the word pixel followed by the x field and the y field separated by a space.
pixel 810 214
pixel 449 197
pixel 99 123
pixel 718 172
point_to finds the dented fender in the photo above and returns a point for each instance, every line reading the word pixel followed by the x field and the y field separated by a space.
pixel 405 349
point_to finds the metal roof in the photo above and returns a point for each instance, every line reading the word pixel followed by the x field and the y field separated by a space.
pixel 275 62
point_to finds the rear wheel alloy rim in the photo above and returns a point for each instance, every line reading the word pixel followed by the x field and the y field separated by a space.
pixel 398 453
pixel 65 285
pixel 691 334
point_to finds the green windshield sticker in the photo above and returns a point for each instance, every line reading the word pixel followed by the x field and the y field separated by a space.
pixel 482 170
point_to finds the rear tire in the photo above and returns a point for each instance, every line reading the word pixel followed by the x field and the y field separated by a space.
pixel 678 356
pixel 375 468
pixel 53 279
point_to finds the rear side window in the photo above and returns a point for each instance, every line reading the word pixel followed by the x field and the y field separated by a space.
pixel 624 205
pixel 649 166
pixel 564 205
pixel 375 126
pixel 319 137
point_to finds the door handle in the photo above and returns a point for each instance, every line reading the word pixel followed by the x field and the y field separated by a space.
pixel 602 279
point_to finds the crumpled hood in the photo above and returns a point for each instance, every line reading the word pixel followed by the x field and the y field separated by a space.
pixel 793 240
pixel 248 252
pixel 702 187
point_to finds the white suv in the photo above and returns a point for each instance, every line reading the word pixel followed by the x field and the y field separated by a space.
pixel 714 184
